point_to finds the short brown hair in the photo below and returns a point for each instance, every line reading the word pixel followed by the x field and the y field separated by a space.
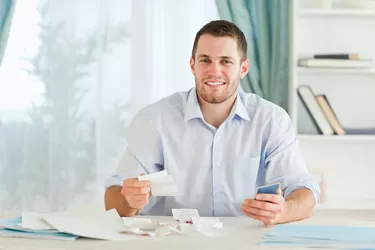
pixel 222 28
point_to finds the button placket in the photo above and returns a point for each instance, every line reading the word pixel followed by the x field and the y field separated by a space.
pixel 217 172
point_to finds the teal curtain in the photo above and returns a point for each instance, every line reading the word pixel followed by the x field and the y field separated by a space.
pixel 265 24
pixel 6 13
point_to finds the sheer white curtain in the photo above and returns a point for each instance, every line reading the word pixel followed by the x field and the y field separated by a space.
pixel 73 75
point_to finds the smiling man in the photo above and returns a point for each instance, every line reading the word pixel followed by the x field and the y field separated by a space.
pixel 219 143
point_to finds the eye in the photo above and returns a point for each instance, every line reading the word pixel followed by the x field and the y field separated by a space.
pixel 227 62
pixel 204 60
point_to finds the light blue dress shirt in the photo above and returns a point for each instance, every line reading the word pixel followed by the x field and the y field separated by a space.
pixel 215 169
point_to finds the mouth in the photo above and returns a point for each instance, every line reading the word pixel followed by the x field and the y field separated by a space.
pixel 215 83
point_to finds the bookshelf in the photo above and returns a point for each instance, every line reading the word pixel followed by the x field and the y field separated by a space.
pixel 350 91
pixel 336 12
pixel 335 71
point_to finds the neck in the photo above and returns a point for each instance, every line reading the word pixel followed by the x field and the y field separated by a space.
pixel 216 113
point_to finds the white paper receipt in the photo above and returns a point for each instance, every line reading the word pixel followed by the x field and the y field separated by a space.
pixel 162 184
pixel 185 215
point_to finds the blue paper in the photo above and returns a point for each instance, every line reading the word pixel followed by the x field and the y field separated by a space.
pixel 333 233
pixel 12 228
pixel 40 235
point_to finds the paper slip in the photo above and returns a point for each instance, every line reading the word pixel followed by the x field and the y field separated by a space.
pixel 153 176
pixel 141 223
pixel 147 227
pixel 185 215
pixel 162 184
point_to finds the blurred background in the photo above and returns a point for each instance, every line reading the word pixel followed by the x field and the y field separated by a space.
pixel 73 73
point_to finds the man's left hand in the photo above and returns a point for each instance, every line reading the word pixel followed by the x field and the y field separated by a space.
pixel 267 208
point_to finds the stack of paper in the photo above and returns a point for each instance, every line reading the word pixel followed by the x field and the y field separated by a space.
pixel 344 237
pixel 105 225
pixel 162 184
pixel 13 228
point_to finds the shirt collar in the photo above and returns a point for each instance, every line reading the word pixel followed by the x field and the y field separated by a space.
pixel 193 109
pixel 239 108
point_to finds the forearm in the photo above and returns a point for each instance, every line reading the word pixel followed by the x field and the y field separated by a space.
pixel 114 199
pixel 299 205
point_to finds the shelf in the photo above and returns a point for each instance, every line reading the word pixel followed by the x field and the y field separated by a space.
pixel 336 137
pixel 337 12
pixel 302 70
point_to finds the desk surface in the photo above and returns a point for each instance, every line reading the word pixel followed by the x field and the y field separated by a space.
pixel 237 233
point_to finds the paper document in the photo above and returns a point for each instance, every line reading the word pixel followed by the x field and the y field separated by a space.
pixel 34 221
pixel 12 228
pixel 321 236
pixel 162 184
pixel 105 225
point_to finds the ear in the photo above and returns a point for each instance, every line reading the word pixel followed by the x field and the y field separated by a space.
pixel 192 63
pixel 245 66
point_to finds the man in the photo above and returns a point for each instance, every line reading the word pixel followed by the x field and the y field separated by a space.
pixel 218 143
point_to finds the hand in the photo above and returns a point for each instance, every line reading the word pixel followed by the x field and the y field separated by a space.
pixel 267 208
pixel 136 192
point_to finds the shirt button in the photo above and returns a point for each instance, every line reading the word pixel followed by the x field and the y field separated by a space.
pixel 217 164
pixel 218 136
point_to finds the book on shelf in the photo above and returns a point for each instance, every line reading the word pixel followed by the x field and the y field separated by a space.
pixel 307 97
pixel 330 115
pixel 341 56
pixel 306 123
pixel 335 63
pixel 321 118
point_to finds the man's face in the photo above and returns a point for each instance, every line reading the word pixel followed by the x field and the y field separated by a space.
pixel 217 68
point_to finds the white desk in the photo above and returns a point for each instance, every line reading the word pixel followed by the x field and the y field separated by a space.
pixel 237 233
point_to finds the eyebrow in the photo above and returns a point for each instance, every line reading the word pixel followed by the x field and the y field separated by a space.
pixel 207 56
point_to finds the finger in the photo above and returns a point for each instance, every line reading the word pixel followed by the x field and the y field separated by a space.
pixel 134 182
pixel 259 212
pixel 134 191
pixel 140 204
pixel 141 197
pixel 264 205
pixel 279 191
pixel 266 221
pixel 273 198
pixel 136 199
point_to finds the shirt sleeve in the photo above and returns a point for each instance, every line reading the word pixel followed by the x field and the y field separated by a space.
pixel 284 161
pixel 143 154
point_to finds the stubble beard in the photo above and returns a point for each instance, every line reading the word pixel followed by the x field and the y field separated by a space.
pixel 213 99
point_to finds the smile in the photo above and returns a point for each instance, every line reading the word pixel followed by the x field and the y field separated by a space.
pixel 215 83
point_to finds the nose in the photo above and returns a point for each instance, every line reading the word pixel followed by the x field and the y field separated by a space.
pixel 214 68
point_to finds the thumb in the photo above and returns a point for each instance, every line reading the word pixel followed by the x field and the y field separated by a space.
pixel 279 191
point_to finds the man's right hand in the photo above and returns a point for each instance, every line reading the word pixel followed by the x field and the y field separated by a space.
pixel 136 192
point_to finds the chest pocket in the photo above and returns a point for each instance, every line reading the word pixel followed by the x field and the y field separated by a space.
pixel 245 173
